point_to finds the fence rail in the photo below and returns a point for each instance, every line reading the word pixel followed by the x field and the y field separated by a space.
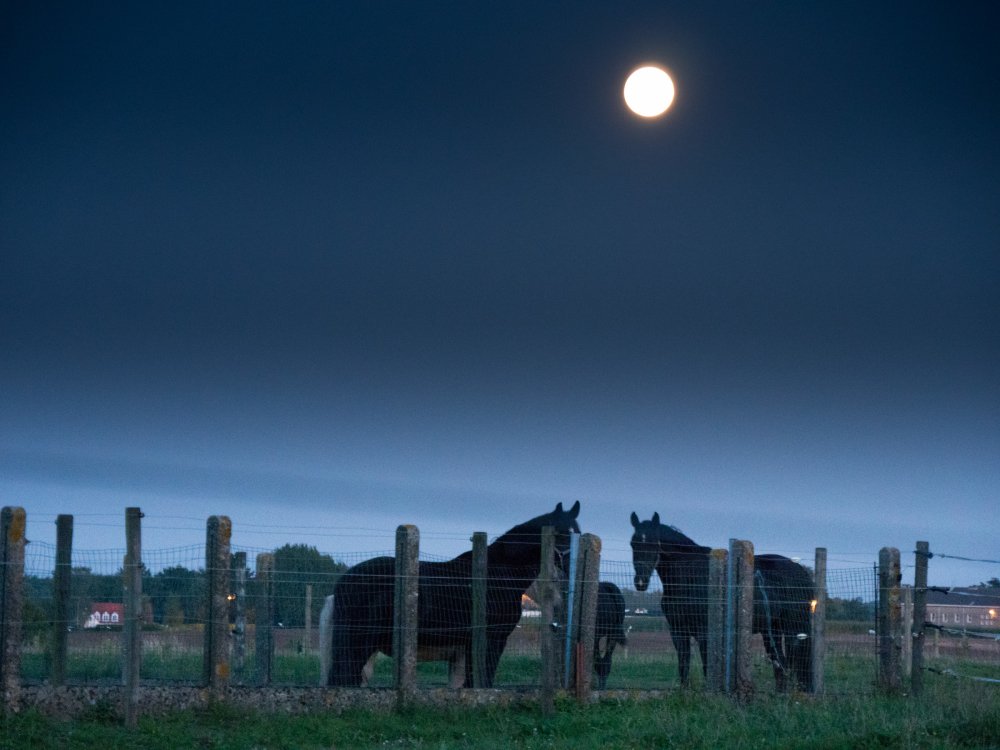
pixel 222 616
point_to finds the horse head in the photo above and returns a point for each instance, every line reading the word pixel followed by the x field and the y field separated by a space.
pixel 645 549
pixel 564 523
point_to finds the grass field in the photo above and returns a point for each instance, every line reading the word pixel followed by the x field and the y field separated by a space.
pixel 950 714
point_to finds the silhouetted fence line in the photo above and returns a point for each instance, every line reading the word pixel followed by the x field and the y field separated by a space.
pixel 222 616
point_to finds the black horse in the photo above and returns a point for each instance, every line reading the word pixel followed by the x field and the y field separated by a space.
pixel 363 600
pixel 782 593
pixel 609 625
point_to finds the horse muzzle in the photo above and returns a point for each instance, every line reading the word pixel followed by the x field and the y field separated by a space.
pixel 641 582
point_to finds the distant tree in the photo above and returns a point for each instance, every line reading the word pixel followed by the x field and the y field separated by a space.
pixel 295 566
pixel 854 610
pixel 177 595
pixel 993 583
pixel 88 587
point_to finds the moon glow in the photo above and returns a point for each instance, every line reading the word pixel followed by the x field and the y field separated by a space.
pixel 649 91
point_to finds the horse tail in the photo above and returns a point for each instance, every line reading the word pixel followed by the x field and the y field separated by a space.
pixel 326 640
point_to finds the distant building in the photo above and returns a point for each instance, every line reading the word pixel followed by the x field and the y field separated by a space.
pixel 961 608
pixel 105 613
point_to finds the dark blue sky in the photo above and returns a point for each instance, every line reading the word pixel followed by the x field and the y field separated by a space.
pixel 345 266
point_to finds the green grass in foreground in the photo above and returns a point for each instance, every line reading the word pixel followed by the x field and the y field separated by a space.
pixel 951 714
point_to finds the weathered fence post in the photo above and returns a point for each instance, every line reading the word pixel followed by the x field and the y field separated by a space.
pixel 215 673
pixel 546 600
pixel 589 574
pixel 889 620
pixel 132 631
pixel 307 645
pixel 478 584
pixel 264 622
pixel 741 584
pixel 12 524
pixel 905 630
pixel 922 556
pixel 405 622
pixel 239 611
pixel 715 670
pixel 818 623
pixel 61 582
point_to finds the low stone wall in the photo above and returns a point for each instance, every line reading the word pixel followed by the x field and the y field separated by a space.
pixel 69 702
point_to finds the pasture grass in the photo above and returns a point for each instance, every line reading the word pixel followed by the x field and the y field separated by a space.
pixel 950 714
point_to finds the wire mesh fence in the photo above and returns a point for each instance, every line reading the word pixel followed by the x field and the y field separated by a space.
pixel 962 627
pixel 658 624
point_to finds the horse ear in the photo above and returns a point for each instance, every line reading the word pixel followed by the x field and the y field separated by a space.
pixel 558 507
pixel 656 519
pixel 575 510
pixel 634 519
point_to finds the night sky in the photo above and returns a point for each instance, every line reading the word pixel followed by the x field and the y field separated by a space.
pixel 327 268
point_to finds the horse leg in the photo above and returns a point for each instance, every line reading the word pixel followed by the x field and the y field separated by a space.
pixel 703 650
pixel 458 667
pixel 773 647
pixel 682 643
pixel 494 649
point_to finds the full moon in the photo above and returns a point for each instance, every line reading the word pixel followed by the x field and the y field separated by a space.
pixel 649 92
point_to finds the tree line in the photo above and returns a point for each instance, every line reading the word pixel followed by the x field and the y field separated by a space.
pixel 176 595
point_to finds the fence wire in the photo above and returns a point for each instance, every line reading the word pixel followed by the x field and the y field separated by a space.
pixel 175 617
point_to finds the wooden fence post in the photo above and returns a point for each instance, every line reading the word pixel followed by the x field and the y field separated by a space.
pixel 546 600
pixel 741 557
pixel 922 556
pixel 818 623
pixel 215 674
pixel 479 574
pixel 132 631
pixel 307 638
pixel 589 576
pixel 61 591
pixel 715 670
pixel 240 612
pixel 12 524
pixel 906 630
pixel 889 620
pixel 405 612
pixel 264 618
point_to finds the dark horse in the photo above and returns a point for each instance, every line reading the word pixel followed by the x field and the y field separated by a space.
pixel 782 593
pixel 609 625
pixel 363 600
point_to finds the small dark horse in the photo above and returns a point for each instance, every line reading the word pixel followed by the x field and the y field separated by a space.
pixel 610 625
pixel 363 600
pixel 782 592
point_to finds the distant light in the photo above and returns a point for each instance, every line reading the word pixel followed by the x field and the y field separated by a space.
pixel 649 91
pixel 993 614
pixel 812 605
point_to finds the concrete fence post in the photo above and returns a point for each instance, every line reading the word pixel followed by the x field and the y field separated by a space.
pixel 307 619
pixel 477 582
pixel 264 623
pixel 741 563
pixel 889 620
pixel 215 673
pixel 132 630
pixel 61 598
pixel 12 525
pixel 715 670
pixel 905 630
pixel 922 557
pixel 546 601
pixel 818 623
pixel 405 612
pixel 239 612
pixel 589 572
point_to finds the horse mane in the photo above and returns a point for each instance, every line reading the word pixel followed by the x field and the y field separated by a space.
pixel 672 535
